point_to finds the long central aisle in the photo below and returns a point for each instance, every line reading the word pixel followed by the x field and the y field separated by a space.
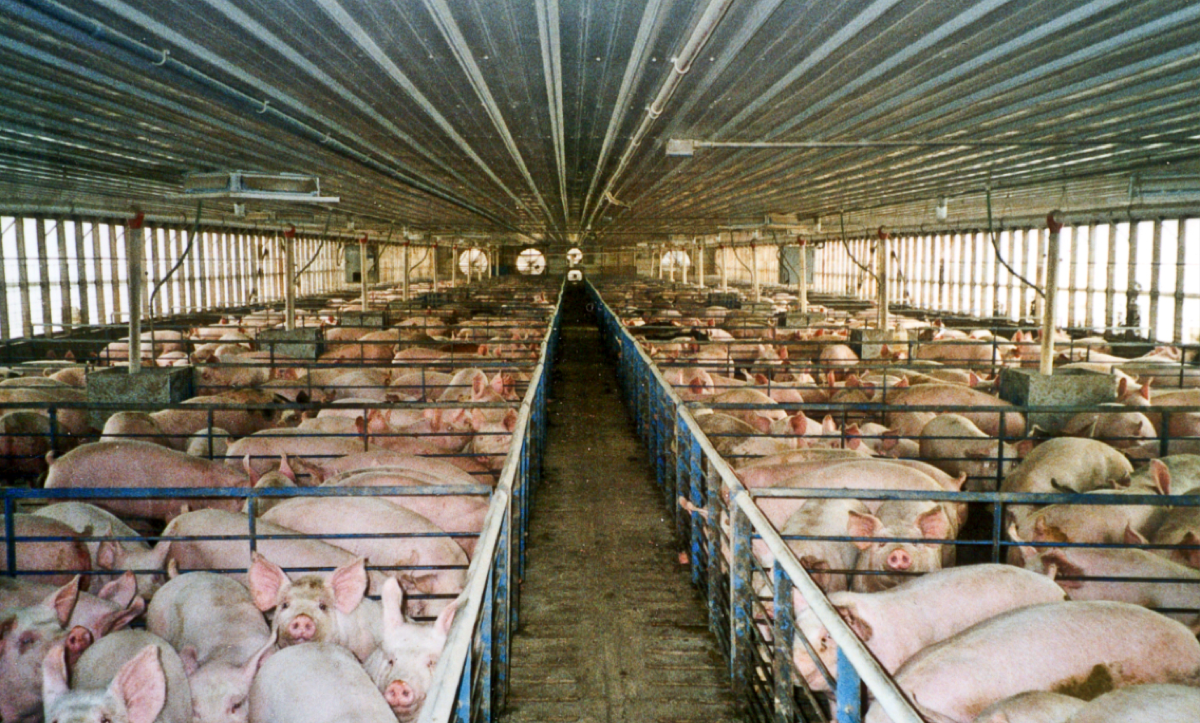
pixel 611 629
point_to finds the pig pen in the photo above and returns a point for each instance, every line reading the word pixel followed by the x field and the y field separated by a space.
pixel 506 330
pixel 731 535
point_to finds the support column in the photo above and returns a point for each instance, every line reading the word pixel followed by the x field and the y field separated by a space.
pixel 754 273
pixel 884 247
pixel 802 282
pixel 724 269
pixel 362 270
pixel 454 267
pixel 1054 226
pixel 289 278
pixel 135 244
pixel 700 261
pixel 406 269
pixel 433 252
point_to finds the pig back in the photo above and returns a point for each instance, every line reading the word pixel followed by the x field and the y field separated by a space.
pixel 316 683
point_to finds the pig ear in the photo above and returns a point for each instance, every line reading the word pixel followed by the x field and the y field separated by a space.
pixel 959 482
pixel 1145 390
pixel 902 384
pixel 1024 447
pixel 863 525
pixel 1161 475
pixel 1133 537
pixel 349 585
pixel 762 424
pixel 108 555
pixel 54 674
pixel 190 659
pixel 853 381
pixel 142 685
pixel 250 472
pixel 1191 558
pixel 1057 567
pixel 446 617
pixel 250 669
pixel 266 581
pixel 697 386
pixel 510 419
pixel 121 619
pixel 857 624
pixel 828 425
pixel 392 599
pixel 479 386
pixel 62 601
pixel 761 379
pixel 285 469
pixel 1122 388
pixel 120 591
pixel 934 524
pixel 972 379
pixel 316 473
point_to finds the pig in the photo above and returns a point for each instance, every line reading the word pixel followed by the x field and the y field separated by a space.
pixel 493 436
pixel 403 664
pixel 760 417
pixel 232 371
pixel 1067 464
pixel 1051 646
pixel 316 683
pixel 837 358
pixel 1035 706
pixel 953 443
pixel 452 513
pixel 727 432
pixel 221 637
pixel 420 385
pixel 265 447
pixel 312 609
pixel 952 396
pixel 24 442
pixel 1180 527
pixel 234 554
pixel 209 443
pixel 1112 424
pixel 127 677
pixel 825 560
pixel 1177 586
pixel 73 422
pixel 113 607
pixel 133 463
pixel 365 515
pixel 898 622
pixel 902 519
pixel 961 352
pixel 283 478
pixel 129 552
pixel 133 425
pixel 27 634
pixel 1151 702
pixel 65 557
pixel 439 471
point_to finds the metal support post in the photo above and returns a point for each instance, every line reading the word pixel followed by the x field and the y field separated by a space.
pixel 882 253
pixel 135 252
pixel 802 282
pixel 289 275
pixel 1055 226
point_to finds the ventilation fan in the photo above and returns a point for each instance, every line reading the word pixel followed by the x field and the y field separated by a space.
pixel 531 262
pixel 473 262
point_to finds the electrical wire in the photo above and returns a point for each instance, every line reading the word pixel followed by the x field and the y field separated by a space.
pixel 996 248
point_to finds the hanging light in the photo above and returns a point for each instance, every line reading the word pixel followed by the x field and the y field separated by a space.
pixel 943 208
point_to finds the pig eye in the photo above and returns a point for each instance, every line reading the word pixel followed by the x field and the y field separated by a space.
pixel 322 607
pixel 284 606
pixel 105 719
pixel 237 706
pixel 26 641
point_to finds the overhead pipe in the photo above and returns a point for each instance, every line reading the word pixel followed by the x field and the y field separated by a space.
pixel 1054 224
pixel 680 65
pixel 551 44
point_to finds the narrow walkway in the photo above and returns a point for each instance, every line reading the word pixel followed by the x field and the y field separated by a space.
pixel 611 629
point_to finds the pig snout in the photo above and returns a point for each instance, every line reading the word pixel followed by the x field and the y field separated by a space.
pixel 301 629
pixel 400 695
pixel 78 640
pixel 899 560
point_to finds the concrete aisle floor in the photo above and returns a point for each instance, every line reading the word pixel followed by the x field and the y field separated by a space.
pixel 611 628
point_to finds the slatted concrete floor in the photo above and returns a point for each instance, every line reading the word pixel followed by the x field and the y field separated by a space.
pixel 611 628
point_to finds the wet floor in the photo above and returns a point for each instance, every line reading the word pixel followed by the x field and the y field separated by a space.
pixel 611 628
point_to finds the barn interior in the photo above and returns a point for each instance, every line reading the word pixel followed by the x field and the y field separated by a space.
pixel 632 219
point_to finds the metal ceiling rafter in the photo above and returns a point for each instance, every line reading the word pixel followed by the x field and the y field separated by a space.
pixel 1090 52
pixel 550 41
pixel 444 18
pixel 88 30
pixel 648 29
pixel 701 32
pixel 338 14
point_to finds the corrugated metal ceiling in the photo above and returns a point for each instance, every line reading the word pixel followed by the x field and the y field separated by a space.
pixel 482 116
